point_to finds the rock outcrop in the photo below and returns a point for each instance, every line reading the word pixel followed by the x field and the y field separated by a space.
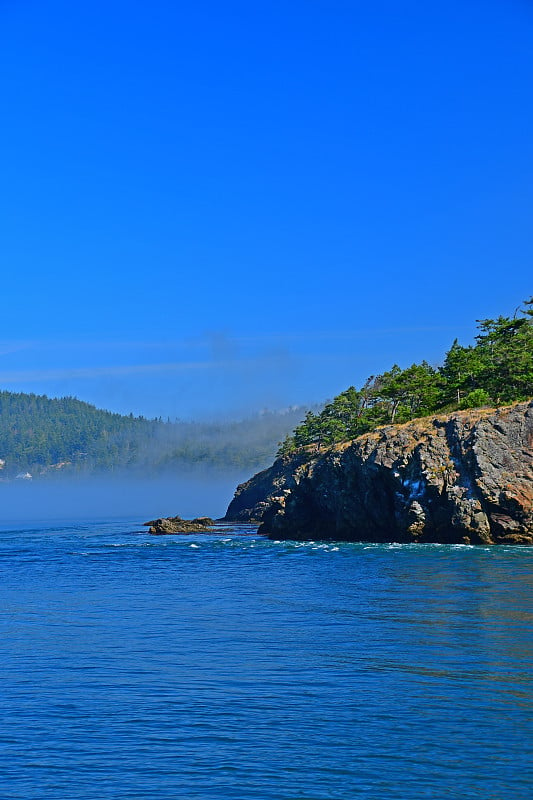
pixel 166 525
pixel 253 498
pixel 464 478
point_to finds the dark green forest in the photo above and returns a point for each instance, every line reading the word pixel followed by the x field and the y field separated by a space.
pixel 47 437
pixel 496 370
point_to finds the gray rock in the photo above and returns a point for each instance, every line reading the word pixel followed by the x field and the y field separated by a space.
pixel 464 478
pixel 167 525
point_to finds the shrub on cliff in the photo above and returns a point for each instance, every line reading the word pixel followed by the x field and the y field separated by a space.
pixel 497 369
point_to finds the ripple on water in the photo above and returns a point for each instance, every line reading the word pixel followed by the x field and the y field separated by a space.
pixel 136 667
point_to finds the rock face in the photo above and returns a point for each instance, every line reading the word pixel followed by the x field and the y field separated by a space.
pixel 166 525
pixel 253 498
pixel 465 478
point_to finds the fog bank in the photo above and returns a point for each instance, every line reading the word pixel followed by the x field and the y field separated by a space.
pixel 198 492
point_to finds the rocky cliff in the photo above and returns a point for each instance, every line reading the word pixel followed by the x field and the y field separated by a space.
pixel 464 478
pixel 253 498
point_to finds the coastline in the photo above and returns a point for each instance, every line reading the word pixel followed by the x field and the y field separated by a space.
pixel 460 478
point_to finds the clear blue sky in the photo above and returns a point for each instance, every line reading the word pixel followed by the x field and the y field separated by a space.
pixel 218 207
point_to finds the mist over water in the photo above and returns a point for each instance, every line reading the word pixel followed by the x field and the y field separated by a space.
pixel 190 469
pixel 198 491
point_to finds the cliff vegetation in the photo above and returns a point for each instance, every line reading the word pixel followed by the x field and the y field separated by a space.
pixel 496 370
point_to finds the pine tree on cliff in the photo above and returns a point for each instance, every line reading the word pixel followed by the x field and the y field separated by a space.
pixel 497 369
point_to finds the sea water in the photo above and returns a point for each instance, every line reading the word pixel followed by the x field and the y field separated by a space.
pixel 227 666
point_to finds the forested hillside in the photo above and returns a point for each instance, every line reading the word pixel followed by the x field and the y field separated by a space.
pixel 48 436
pixel 496 370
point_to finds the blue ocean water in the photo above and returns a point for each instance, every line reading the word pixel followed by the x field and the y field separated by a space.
pixel 227 666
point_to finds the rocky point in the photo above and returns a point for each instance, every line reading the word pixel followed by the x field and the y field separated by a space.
pixel 463 478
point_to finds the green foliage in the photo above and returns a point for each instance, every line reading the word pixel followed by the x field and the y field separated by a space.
pixel 475 399
pixel 497 369
pixel 54 436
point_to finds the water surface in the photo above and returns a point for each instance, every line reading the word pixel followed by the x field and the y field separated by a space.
pixel 230 667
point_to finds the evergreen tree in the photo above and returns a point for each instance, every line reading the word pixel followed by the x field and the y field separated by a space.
pixel 497 369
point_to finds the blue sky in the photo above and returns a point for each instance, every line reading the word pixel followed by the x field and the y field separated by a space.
pixel 212 208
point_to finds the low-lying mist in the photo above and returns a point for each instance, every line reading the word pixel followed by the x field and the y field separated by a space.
pixel 47 437
pixel 189 493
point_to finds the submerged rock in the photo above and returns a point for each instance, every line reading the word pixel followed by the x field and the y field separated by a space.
pixel 166 525
pixel 463 478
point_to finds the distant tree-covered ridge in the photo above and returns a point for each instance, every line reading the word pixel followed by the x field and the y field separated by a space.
pixel 498 369
pixel 47 436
